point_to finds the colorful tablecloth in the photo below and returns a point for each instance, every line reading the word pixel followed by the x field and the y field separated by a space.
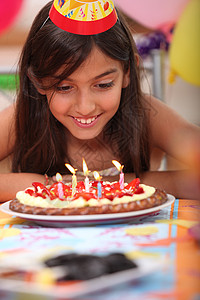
pixel 166 233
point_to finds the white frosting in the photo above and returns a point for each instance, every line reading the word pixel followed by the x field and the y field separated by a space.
pixel 27 199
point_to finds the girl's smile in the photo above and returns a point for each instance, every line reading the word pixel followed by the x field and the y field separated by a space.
pixel 89 97
pixel 86 123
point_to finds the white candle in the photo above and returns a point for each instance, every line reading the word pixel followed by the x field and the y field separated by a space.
pixel 85 171
pixel 74 184
pixel 74 180
pixel 87 184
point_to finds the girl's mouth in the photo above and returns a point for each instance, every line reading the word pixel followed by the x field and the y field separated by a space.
pixel 86 122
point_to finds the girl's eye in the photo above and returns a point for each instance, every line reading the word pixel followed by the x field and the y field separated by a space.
pixel 105 85
pixel 64 88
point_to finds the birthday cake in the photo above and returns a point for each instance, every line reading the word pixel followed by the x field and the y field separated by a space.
pixel 47 200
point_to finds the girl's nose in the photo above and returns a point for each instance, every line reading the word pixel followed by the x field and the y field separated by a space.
pixel 85 104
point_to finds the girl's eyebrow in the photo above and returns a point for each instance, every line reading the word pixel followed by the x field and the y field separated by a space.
pixel 106 73
pixel 114 70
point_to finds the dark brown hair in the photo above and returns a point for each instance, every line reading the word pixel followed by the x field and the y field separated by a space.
pixel 40 141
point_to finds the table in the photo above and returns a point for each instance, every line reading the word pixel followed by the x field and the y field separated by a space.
pixel 166 233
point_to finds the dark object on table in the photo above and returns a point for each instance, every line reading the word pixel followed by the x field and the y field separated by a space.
pixel 84 267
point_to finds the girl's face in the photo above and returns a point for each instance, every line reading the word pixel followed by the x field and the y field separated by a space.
pixel 86 100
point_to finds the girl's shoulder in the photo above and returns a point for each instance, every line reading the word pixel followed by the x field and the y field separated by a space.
pixel 161 113
pixel 165 123
pixel 7 132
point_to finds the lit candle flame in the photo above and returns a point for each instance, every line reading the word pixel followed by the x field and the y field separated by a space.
pixel 85 168
pixel 117 165
pixel 58 177
pixel 96 175
pixel 71 169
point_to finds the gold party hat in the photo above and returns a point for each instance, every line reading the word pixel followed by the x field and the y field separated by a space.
pixel 84 17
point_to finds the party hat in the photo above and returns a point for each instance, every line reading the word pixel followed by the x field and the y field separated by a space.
pixel 84 17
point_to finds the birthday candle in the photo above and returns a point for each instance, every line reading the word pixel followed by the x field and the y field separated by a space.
pixel 74 184
pixel 121 180
pixel 60 186
pixel 99 194
pixel 99 187
pixel 121 177
pixel 87 184
pixel 85 171
pixel 74 180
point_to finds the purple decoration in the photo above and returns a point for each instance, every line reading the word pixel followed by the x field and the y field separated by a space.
pixel 154 40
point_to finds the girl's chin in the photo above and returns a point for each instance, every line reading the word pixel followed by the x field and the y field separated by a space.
pixel 84 134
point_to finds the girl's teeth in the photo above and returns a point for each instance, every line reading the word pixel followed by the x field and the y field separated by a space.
pixel 85 121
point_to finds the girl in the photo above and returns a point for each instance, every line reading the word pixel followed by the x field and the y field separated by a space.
pixel 80 96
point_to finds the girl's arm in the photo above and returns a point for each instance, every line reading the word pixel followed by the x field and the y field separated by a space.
pixel 7 136
pixel 181 140
pixel 181 184
pixel 174 135
pixel 10 183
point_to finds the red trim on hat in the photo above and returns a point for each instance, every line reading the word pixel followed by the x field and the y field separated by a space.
pixel 82 27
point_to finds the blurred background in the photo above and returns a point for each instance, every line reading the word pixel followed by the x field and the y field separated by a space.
pixel 166 34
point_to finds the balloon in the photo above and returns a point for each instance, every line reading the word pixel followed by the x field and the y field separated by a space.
pixel 184 52
pixel 8 13
pixel 153 14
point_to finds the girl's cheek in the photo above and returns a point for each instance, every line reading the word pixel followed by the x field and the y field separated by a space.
pixel 59 105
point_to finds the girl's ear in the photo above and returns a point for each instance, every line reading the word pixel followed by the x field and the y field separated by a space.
pixel 126 79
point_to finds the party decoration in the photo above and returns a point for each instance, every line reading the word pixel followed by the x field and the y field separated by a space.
pixel 148 42
pixel 8 13
pixel 185 46
pixel 153 14
pixel 9 232
pixel 142 230
pixel 179 222
pixel 83 17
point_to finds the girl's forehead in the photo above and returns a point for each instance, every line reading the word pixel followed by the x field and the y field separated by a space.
pixel 95 63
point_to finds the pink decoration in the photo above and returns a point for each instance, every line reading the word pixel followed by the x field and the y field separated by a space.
pixel 8 13
pixel 153 13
